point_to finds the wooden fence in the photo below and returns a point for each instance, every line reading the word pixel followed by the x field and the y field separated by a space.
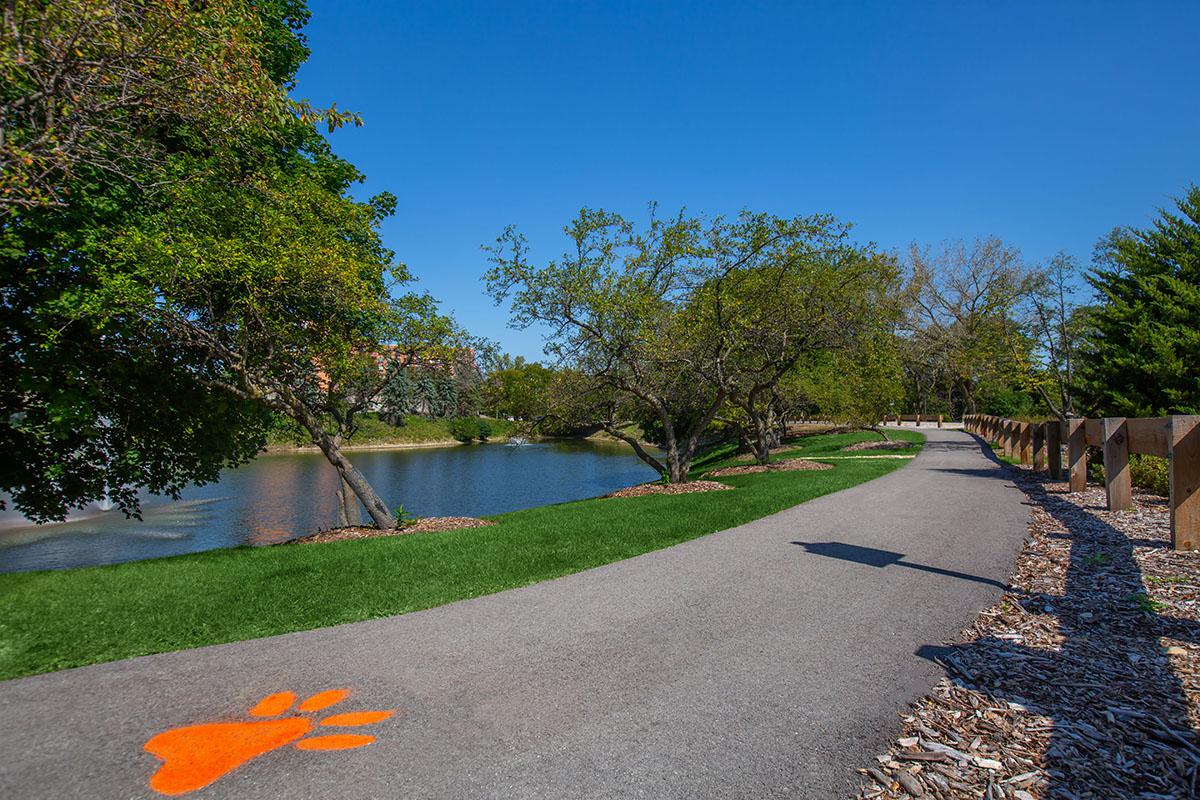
pixel 1175 438
pixel 898 418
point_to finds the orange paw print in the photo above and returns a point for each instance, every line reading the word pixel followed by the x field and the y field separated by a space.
pixel 196 755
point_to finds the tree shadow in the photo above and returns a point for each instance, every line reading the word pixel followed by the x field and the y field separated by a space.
pixel 1119 711
pixel 873 557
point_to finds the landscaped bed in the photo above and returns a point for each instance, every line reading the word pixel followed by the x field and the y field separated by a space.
pixel 783 465
pixel 691 487
pixel 55 619
pixel 422 525
pixel 1083 681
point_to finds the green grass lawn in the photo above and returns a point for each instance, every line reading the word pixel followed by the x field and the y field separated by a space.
pixel 373 431
pixel 57 619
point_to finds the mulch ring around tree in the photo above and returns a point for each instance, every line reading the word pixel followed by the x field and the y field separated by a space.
pixel 669 488
pixel 876 446
pixel 787 465
pixel 423 525
pixel 1083 681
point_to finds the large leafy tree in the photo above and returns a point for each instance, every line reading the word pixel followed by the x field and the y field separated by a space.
pixel 802 288
pixel 192 265
pixel 1141 354
pixel 667 325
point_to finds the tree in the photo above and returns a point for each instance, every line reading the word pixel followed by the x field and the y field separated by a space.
pixel 518 389
pixel 107 89
pixel 102 106
pixel 1052 323
pixel 1141 354
pixel 807 290
pixel 961 333
pixel 858 386
pixel 614 304
pixel 670 324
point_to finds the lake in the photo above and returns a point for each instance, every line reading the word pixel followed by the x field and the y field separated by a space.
pixel 281 496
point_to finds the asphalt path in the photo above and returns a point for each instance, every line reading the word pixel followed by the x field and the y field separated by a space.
pixel 768 660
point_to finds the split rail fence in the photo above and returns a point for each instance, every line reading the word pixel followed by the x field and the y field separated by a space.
pixel 1175 438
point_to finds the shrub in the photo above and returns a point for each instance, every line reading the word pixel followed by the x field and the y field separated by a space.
pixel 465 429
pixel 485 430
pixel 1145 472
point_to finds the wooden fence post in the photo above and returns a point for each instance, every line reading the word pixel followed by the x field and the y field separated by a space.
pixel 939 420
pixel 1026 439
pixel 1039 447
pixel 1117 484
pixel 1054 449
pixel 1183 461
pixel 1077 454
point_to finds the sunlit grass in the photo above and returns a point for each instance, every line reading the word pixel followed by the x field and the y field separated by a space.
pixel 56 619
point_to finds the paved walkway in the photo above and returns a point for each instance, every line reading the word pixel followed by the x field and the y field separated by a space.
pixel 769 660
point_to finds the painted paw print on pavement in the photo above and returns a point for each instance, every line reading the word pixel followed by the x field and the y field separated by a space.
pixel 196 755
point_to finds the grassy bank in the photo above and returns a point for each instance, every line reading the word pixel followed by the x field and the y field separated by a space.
pixel 58 619
pixel 374 432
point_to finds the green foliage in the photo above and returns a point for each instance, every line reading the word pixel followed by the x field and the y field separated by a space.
pixel 667 324
pixel 518 389
pixel 1005 401
pixel 96 399
pixel 469 429
pixel 1142 346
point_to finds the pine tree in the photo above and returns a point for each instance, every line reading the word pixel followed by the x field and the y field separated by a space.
pixel 1142 351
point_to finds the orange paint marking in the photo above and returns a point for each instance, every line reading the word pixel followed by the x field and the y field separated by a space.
pixel 196 755
pixel 323 700
pixel 356 718
pixel 337 741
pixel 273 704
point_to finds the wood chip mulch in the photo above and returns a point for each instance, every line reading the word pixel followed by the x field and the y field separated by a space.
pixel 669 488
pixel 786 465
pixel 897 445
pixel 422 525
pixel 1082 682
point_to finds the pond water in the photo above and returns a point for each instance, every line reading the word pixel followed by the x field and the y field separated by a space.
pixel 282 496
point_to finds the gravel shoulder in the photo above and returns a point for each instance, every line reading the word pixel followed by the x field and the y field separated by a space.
pixel 1082 681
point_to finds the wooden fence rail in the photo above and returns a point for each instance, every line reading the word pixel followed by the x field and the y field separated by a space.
pixel 1175 438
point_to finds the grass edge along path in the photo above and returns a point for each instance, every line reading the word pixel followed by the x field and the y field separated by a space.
pixel 53 620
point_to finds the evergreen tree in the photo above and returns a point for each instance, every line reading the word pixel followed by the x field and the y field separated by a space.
pixel 1142 348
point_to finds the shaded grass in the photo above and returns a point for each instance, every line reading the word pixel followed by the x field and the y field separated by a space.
pixel 57 619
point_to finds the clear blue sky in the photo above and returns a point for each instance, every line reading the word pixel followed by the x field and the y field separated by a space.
pixel 1046 124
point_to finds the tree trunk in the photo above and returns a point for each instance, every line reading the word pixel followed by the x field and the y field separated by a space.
pixel 349 505
pixel 330 447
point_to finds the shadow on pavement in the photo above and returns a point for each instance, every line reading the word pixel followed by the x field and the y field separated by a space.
pixel 873 557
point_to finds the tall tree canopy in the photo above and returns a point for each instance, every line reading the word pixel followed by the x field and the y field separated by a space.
pixel 179 255
pixel 1142 347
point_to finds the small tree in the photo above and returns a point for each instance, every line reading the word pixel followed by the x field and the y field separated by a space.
pixel 614 305
pixel 1051 322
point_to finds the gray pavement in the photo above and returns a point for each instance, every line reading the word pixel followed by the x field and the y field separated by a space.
pixel 769 660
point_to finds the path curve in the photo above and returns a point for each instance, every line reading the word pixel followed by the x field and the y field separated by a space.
pixel 769 660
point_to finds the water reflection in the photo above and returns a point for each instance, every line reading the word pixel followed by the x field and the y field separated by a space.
pixel 277 497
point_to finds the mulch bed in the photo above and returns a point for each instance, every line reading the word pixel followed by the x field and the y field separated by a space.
pixel 422 525
pixel 787 465
pixel 1082 682
pixel 669 488
pixel 898 445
